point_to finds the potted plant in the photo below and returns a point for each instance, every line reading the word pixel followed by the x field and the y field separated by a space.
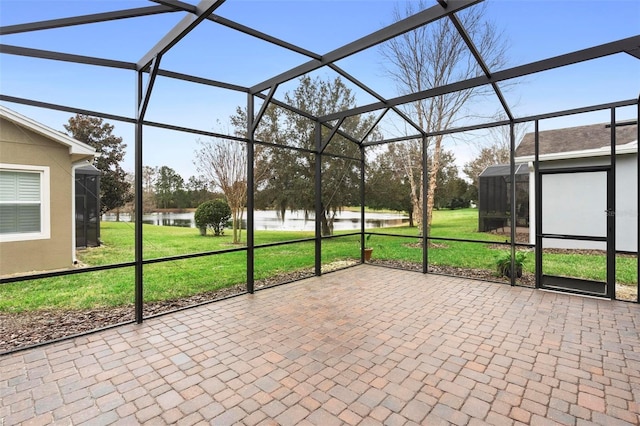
pixel 503 263
pixel 367 249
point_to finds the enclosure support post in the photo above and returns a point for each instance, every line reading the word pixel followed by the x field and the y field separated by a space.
pixel 143 96
pixel 139 301
pixel 425 191
pixel 318 199
pixel 538 206
pixel 512 149
pixel 250 191
pixel 611 213
pixel 362 202
pixel 638 207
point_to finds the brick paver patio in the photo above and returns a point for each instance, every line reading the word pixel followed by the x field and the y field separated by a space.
pixel 366 346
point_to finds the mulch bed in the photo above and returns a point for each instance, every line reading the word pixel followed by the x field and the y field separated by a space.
pixel 29 328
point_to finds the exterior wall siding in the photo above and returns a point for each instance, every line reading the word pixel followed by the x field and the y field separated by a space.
pixel 21 146
pixel 626 204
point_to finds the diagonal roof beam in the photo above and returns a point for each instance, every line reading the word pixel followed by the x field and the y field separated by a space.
pixel 153 73
pixel 373 126
pixel 256 120
pixel 84 19
pixel 370 91
pixel 305 114
pixel 182 28
pixel 179 5
pixel 588 54
pixel 335 128
pixel 398 28
pixel 634 52
pixel 476 54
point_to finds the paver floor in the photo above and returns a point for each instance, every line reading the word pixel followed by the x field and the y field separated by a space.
pixel 367 345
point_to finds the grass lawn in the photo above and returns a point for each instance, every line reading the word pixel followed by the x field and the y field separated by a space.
pixel 180 278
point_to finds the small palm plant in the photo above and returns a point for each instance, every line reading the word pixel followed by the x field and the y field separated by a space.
pixel 503 263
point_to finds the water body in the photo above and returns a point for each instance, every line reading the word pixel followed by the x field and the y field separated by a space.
pixel 269 220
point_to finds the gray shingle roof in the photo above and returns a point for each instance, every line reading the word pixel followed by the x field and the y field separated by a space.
pixel 576 139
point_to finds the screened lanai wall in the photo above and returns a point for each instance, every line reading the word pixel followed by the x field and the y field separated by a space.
pixel 333 148
pixel 494 197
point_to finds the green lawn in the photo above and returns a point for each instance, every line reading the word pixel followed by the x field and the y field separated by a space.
pixel 179 278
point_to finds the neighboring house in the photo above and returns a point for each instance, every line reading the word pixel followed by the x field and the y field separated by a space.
pixel 37 194
pixel 574 198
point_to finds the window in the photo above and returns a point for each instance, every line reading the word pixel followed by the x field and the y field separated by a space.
pixel 24 202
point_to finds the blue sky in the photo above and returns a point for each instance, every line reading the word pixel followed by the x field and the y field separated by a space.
pixel 535 29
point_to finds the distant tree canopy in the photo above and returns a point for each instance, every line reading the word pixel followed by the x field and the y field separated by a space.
pixel 451 190
pixel 285 178
pixel 386 187
pixel 115 191
pixel 389 187
pixel 170 190
pixel 165 188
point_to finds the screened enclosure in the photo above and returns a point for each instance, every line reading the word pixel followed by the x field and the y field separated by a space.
pixel 291 153
pixel 495 195
pixel 87 215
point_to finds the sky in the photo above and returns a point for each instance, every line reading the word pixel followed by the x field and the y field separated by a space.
pixel 533 30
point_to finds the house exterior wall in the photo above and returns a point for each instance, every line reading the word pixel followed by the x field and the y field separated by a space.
pixel 593 194
pixel 627 202
pixel 21 146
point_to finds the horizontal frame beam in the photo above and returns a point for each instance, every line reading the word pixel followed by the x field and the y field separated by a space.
pixel 398 28
pixel 58 107
pixel 84 19
pixel 65 57
pixel 89 60
pixel 588 54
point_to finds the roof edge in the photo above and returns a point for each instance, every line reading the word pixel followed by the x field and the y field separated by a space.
pixel 74 145
pixel 628 148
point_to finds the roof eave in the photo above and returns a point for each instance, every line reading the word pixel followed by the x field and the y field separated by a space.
pixel 76 147
pixel 629 148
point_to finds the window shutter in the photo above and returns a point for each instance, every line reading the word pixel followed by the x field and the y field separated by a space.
pixel 29 187
pixel 8 186
pixel 8 218
pixel 29 218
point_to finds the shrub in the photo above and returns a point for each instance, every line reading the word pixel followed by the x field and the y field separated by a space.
pixel 214 215
pixel 503 263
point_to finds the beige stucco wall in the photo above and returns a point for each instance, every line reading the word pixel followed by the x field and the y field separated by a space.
pixel 21 146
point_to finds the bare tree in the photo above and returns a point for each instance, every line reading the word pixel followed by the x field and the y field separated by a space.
pixel 224 162
pixel 497 151
pixel 431 56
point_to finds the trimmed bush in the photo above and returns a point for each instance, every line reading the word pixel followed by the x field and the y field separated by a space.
pixel 214 215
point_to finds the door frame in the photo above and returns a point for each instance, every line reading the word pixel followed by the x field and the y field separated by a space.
pixel 609 239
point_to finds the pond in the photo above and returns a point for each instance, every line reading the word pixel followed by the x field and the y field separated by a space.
pixel 270 220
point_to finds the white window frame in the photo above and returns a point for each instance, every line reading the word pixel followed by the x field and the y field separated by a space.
pixel 45 203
